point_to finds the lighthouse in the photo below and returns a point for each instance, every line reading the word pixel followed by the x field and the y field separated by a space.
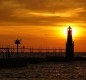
pixel 69 45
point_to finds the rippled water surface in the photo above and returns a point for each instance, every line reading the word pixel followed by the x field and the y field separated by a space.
pixel 46 71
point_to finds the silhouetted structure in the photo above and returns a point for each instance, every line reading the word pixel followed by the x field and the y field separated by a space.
pixel 69 45
pixel 17 42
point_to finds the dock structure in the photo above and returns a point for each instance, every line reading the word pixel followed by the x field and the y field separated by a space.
pixel 30 52
pixel 23 52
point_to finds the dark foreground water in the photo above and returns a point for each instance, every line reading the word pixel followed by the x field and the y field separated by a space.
pixel 46 71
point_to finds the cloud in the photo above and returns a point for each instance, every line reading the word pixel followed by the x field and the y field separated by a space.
pixel 41 12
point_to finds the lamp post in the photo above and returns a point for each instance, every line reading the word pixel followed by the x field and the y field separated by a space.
pixel 17 42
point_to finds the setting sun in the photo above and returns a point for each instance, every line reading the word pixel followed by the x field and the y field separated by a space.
pixel 76 31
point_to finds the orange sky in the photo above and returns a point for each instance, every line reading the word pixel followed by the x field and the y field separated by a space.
pixel 42 23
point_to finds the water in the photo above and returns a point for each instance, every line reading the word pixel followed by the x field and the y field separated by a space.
pixel 47 71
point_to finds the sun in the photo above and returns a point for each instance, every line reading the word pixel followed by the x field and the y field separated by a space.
pixel 61 31
pixel 74 31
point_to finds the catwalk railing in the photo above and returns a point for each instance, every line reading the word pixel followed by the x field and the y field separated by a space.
pixel 30 52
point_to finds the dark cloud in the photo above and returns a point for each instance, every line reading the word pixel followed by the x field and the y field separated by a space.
pixel 19 11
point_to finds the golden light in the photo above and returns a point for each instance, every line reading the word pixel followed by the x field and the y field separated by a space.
pixel 76 31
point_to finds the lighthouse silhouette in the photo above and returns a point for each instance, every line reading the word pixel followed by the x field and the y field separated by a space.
pixel 69 45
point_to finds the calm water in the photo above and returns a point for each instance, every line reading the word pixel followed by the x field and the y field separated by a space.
pixel 46 71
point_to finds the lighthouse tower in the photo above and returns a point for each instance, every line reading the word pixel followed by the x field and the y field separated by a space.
pixel 69 45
